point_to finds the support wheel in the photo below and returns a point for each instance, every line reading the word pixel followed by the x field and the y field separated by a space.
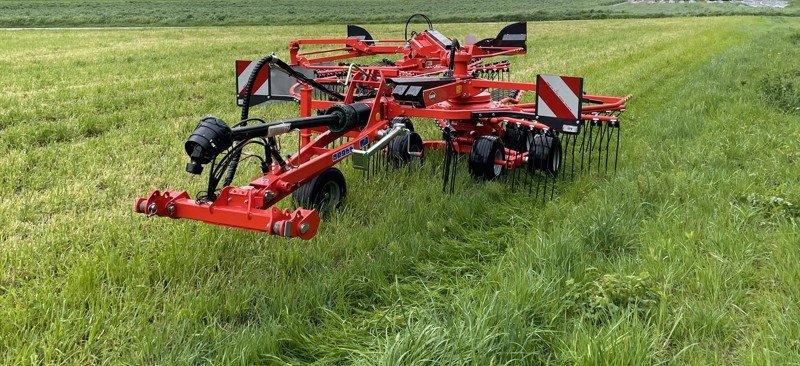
pixel 545 154
pixel 518 138
pixel 406 149
pixel 325 192
pixel 485 151
pixel 405 121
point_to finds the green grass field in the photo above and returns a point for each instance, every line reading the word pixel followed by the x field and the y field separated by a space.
pixel 688 255
pixel 68 13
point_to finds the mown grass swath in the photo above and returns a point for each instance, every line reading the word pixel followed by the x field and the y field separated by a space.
pixel 70 13
pixel 686 255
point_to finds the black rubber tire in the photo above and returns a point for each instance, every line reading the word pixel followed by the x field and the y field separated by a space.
pixel 545 154
pixel 485 151
pixel 400 146
pixel 405 121
pixel 315 193
pixel 517 138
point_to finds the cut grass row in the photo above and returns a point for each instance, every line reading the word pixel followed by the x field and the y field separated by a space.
pixel 682 256
pixel 71 13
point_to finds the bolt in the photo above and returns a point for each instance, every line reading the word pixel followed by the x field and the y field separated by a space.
pixel 276 227
pixel 171 209
pixel 151 210
pixel 304 228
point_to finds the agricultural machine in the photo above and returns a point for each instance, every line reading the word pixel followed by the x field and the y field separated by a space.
pixel 362 112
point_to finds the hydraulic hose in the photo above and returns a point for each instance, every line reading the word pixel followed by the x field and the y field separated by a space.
pixel 234 162
pixel 248 91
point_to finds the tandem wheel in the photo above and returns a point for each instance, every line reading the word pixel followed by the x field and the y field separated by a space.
pixel 544 154
pixel 406 149
pixel 518 138
pixel 485 151
pixel 325 192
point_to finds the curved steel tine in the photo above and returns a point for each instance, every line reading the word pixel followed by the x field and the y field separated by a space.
pixel 591 147
pixel 572 157
pixel 583 143
pixel 616 153
pixel 601 133
pixel 610 130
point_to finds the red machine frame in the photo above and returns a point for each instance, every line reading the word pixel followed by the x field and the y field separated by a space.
pixel 464 105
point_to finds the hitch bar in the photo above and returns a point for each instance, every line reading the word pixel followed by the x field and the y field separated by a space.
pixel 361 157
pixel 233 205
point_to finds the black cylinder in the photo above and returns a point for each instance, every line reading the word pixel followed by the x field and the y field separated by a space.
pixel 350 116
pixel 260 130
pixel 210 137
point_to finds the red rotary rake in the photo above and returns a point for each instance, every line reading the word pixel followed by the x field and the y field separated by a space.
pixel 365 111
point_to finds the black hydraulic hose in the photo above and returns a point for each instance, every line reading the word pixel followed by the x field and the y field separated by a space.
pixel 270 59
pixel 427 20
pixel 299 76
pixel 453 49
pixel 234 162
pixel 248 91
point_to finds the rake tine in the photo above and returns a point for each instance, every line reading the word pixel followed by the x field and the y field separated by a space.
pixel 595 143
pixel 608 143
pixel 572 158
pixel 566 148
pixel 529 180
pixel 374 166
pixel 591 148
pixel 616 153
pixel 392 164
pixel 448 167
pixel 512 179
pixel 555 172
pixel 445 169
pixel 380 162
pixel 455 172
pixel 600 133
pixel 539 181
pixel 583 144
pixel 544 188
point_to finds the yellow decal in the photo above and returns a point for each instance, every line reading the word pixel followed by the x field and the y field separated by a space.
pixel 377 116
pixel 458 89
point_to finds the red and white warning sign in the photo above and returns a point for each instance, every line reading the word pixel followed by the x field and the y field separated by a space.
pixel 558 101
pixel 260 91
